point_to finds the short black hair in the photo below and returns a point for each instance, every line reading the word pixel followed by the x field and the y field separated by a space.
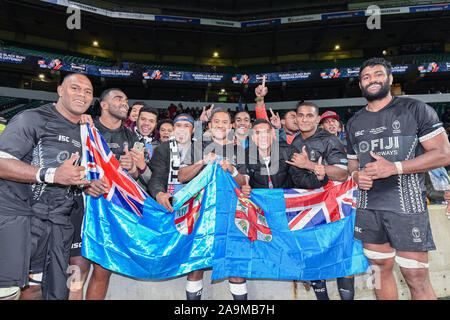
pixel 242 111
pixel 161 122
pixel 214 111
pixel 309 104
pixel 261 120
pixel 285 112
pixel 139 103
pixel 69 75
pixel 376 62
pixel 148 109
pixel 106 92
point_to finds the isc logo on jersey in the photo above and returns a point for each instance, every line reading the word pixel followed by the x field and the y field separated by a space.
pixel 63 138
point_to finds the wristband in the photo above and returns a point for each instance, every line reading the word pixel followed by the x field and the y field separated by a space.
pixel 38 178
pixel 399 166
pixel 50 175
pixel 235 172
pixel 141 172
pixel 42 172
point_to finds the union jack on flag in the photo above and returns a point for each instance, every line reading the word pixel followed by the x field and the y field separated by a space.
pixel 310 208
pixel 100 162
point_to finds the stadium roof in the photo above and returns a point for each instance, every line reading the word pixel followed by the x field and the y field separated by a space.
pixel 44 23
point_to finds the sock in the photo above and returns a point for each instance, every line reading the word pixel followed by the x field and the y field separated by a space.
pixel 346 288
pixel 194 290
pixel 320 289
pixel 238 290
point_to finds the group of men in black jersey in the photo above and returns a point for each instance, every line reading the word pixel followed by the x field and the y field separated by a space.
pixel 389 144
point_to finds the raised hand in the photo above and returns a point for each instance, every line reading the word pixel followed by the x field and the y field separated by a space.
pixel 261 90
pixel 206 114
pixel 275 119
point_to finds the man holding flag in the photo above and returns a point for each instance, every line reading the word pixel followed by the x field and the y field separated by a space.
pixel 233 161
pixel 114 104
pixel 321 146
pixel 169 158
pixel 38 177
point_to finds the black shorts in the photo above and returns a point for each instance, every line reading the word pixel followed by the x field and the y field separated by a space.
pixel 404 232
pixel 23 241
pixel 76 216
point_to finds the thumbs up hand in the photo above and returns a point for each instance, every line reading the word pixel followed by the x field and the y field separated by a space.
pixel 246 189
pixel 69 174
pixel 319 170
pixel 126 160
pixel 381 168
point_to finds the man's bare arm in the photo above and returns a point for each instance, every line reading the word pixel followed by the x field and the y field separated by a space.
pixel 66 174
pixel 188 173
pixel 18 171
pixel 336 174
pixel 437 154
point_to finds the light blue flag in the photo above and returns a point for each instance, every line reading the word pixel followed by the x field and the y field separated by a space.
pixel 160 244
pixel 291 234
pixel 207 230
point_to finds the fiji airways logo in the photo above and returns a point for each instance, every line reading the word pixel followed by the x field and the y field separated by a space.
pixel 388 145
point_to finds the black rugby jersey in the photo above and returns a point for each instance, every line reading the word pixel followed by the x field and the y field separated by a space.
pixel 40 137
pixel 117 139
pixel 395 133
pixel 235 154
pixel 320 144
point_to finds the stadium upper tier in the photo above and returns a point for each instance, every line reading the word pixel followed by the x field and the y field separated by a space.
pixel 69 57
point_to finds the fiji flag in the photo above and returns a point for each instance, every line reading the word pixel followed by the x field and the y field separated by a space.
pixel 100 162
pixel 291 234
pixel 128 232
pixel 310 208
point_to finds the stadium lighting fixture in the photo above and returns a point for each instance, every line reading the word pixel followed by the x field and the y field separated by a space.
pixel 215 54
pixel 95 43
pixel 41 76
pixel 337 47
